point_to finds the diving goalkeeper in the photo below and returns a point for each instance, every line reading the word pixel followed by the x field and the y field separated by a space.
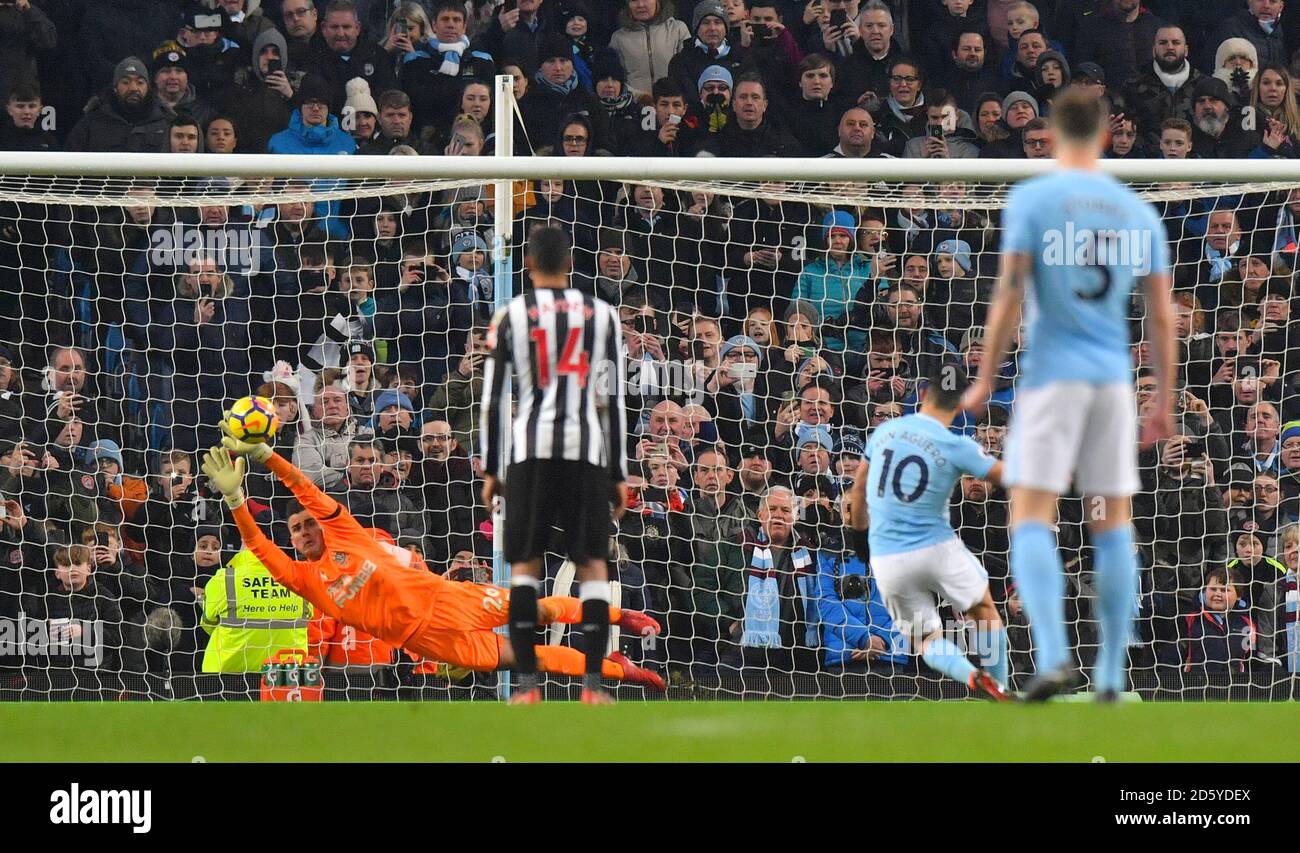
pixel 374 587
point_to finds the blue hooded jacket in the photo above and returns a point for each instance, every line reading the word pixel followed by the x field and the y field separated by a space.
pixel 299 139
pixel 849 625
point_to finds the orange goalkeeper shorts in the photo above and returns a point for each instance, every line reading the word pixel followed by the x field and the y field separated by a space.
pixel 460 631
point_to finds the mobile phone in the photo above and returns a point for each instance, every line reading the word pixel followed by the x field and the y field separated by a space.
pixel 1193 448
pixel 4 512
pixel 761 31
pixel 839 17
pixel 697 350
pixel 674 119
pixel 742 371
pixel 808 352
pixel 510 5
pixel 101 539
pixel 273 65
pixel 935 131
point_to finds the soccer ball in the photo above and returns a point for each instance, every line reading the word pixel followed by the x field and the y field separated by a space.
pixel 253 419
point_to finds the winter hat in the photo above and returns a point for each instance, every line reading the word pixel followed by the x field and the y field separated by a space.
pixel 960 251
pixel 850 443
pixel 314 88
pixel 469 241
pixel 169 54
pixel 606 64
pixel 361 348
pixel 573 9
pixel 130 65
pixel 390 397
pixel 1015 98
pixel 359 97
pixel 819 434
pixel 552 46
pixel 741 341
pixel 1290 429
pixel 840 220
pixel 1229 48
pixel 1211 87
pixel 703 11
pixel 805 309
pixel 105 448
pixel 974 335
pixel 714 73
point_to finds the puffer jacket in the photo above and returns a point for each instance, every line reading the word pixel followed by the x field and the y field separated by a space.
pixel 646 49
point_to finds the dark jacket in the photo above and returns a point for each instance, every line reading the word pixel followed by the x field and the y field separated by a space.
pixel 689 63
pixel 367 61
pixel 1120 48
pixel 1271 47
pixel 22 34
pixel 385 508
pixel 543 109
pixel 113 31
pixel 1150 102
pixel 106 127
pixel 1218 642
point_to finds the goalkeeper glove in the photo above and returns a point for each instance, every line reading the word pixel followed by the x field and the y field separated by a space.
pixel 258 451
pixel 225 476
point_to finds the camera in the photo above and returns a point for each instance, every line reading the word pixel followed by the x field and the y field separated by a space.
pixel 839 17
pixel 935 131
pixel 1194 448
pixel 761 31
pixel 851 587
pixel 274 65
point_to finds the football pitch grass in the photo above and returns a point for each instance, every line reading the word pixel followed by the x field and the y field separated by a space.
pixel 646 731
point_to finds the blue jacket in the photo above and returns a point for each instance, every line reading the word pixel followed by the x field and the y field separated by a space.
pixel 297 139
pixel 831 287
pixel 849 625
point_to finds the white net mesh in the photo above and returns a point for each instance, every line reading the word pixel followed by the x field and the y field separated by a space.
pixel 142 307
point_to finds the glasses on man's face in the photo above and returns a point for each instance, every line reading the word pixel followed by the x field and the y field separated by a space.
pixel 298 13
pixel 438 438
pixel 1037 143
pixel 575 140
pixel 903 78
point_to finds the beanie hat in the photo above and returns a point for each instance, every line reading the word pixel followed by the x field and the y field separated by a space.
pixel 469 241
pixel 1290 429
pixel 703 11
pixel 805 309
pixel 839 220
pixel 361 348
pixel 714 73
pixel 314 88
pixel 130 65
pixel 607 64
pixel 960 251
pixel 105 448
pixel 169 54
pixel 741 341
pixel 359 97
pixel 819 434
pixel 390 397
pixel 1056 56
pixel 1015 98
pixel 552 46
pixel 269 37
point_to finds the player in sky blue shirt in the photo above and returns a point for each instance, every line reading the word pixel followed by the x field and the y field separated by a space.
pixel 915 463
pixel 900 496
pixel 1078 244
pixel 1091 240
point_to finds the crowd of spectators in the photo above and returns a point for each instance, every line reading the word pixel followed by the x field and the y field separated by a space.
pixel 766 334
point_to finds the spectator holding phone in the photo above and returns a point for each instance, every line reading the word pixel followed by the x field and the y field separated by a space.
pixel 260 100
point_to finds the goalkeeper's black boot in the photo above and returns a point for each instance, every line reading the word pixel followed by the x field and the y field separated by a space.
pixel 1049 684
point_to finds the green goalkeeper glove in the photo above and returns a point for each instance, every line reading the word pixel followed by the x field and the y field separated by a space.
pixel 258 451
pixel 225 476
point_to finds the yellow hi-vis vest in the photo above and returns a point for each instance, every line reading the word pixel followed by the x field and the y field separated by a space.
pixel 249 616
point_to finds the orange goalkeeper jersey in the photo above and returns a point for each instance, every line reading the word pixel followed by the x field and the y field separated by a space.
pixel 362 582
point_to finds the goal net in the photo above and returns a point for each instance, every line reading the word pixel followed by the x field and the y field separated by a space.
pixel 769 325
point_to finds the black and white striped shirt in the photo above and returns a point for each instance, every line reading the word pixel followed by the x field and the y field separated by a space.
pixel 565 349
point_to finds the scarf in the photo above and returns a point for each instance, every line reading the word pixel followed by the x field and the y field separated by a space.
pixel 912 226
pixel 714 53
pixel 622 102
pixel 1292 627
pixel 1286 232
pixel 450 53
pixel 566 88
pixel 1218 263
pixel 1173 82
pixel 763 600
pixel 906 114
pixel 480 284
